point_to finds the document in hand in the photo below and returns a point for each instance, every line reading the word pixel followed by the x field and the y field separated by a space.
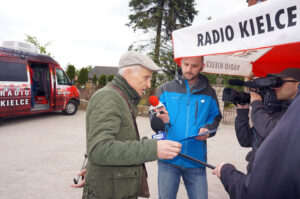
pixel 201 134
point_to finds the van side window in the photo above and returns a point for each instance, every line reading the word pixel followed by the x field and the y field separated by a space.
pixel 61 77
pixel 11 71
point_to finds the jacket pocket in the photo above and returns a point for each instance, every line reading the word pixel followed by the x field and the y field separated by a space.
pixel 126 182
pixel 88 193
pixel 98 183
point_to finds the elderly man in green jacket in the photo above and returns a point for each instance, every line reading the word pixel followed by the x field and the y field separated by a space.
pixel 116 155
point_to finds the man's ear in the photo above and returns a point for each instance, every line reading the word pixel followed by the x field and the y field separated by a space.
pixel 202 67
pixel 127 74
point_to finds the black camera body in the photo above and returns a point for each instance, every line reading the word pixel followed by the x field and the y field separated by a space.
pixel 236 97
pixel 262 86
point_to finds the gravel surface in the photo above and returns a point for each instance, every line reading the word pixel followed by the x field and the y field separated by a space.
pixel 41 154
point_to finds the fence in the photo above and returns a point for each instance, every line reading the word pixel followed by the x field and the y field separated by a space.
pixel 228 113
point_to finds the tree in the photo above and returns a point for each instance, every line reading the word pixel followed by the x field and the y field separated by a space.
pixel 42 47
pixel 160 16
pixel 95 79
pixel 212 78
pixel 77 72
pixel 102 80
pixel 71 71
pixel 82 76
pixel 89 68
pixel 168 65
pixel 110 78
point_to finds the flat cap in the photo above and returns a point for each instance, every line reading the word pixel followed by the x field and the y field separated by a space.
pixel 132 58
pixel 289 72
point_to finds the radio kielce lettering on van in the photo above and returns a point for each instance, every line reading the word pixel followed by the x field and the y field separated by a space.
pixel 14 101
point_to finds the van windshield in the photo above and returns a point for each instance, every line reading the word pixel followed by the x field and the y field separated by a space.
pixel 10 71
pixel 61 77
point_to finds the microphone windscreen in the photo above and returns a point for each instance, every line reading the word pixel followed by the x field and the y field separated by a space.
pixel 153 100
pixel 157 124
pixel 236 82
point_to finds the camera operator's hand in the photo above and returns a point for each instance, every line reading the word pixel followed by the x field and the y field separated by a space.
pixel 255 96
pixel 217 170
pixel 242 106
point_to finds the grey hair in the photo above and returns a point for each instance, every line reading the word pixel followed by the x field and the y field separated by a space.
pixel 134 69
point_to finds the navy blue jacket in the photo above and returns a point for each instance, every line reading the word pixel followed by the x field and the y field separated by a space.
pixel 275 173
pixel 263 124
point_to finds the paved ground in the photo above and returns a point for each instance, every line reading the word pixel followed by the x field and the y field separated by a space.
pixel 40 155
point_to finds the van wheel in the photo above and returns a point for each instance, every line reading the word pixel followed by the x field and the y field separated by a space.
pixel 71 108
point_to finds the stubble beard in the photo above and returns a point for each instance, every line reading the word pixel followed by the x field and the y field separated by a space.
pixel 189 79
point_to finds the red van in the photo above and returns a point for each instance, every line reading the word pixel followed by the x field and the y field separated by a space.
pixel 33 83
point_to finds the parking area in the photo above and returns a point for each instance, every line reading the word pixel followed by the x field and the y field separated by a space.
pixel 41 154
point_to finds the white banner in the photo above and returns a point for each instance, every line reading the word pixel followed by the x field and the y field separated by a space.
pixel 238 63
pixel 273 22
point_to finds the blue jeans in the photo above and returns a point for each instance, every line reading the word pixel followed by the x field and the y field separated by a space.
pixel 169 178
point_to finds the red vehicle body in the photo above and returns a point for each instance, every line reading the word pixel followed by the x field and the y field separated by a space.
pixel 33 83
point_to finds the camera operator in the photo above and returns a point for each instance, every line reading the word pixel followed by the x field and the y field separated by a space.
pixel 264 121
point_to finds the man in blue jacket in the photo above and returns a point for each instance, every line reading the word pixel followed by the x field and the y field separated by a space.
pixel 191 108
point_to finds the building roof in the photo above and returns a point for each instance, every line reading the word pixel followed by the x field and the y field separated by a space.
pixel 107 70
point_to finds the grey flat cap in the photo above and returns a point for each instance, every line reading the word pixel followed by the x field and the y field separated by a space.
pixel 132 58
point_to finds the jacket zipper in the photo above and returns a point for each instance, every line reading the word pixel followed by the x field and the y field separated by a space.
pixel 187 117
pixel 196 112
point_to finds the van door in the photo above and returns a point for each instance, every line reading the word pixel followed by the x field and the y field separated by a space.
pixel 53 86
pixel 40 80
pixel 14 87
pixel 62 92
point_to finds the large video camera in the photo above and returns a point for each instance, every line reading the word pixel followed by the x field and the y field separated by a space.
pixel 262 86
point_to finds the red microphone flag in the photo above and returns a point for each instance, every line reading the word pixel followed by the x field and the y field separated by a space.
pixel 153 100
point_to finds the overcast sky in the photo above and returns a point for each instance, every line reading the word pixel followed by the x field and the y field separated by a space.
pixel 91 32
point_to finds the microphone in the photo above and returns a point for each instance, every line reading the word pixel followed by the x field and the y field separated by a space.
pixel 262 82
pixel 158 126
pixel 236 82
pixel 156 105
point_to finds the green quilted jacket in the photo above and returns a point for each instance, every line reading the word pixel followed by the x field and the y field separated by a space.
pixel 115 155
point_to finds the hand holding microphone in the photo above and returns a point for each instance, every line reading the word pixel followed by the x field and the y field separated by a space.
pixel 158 109
pixel 156 105
pixel 164 116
